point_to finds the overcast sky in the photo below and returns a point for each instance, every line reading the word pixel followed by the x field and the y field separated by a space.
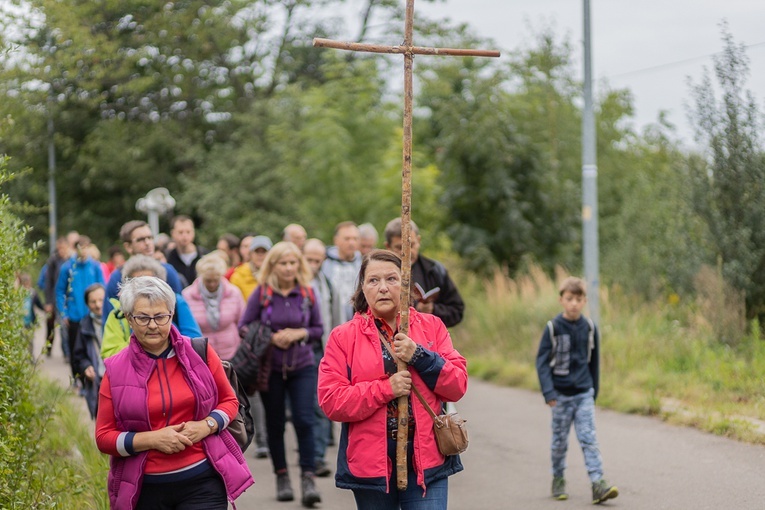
pixel 630 37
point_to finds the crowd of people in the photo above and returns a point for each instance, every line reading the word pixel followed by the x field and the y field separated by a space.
pixel 126 323
pixel 300 287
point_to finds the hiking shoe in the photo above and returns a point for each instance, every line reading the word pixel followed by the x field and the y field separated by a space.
pixel 311 495
pixel 602 491
pixel 322 469
pixel 284 487
pixel 261 452
pixel 559 488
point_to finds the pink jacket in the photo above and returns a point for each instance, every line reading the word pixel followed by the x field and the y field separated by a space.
pixel 353 389
pixel 225 339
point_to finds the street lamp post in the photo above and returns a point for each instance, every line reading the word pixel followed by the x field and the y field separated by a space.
pixel 590 180
pixel 157 201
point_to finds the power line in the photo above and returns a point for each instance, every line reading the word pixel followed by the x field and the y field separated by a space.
pixel 677 63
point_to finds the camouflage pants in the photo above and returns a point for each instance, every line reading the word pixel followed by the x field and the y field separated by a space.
pixel 579 409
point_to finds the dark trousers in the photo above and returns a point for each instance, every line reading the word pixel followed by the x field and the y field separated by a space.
pixel 72 330
pixel 50 332
pixel 203 492
pixel 300 386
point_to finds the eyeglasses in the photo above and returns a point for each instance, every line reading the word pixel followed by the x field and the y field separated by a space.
pixel 160 320
pixel 143 239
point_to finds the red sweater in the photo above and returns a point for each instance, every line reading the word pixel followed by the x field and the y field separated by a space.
pixel 170 402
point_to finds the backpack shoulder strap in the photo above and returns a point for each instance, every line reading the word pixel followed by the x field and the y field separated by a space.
pixel 200 347
pixel 551 329
pixel 590 339
pixel 266 296
pixel 308 293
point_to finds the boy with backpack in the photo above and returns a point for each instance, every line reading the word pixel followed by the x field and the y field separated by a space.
pixel 568 369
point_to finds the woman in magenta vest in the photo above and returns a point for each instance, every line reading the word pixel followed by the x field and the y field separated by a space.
pixel 163 413
pixel 359 386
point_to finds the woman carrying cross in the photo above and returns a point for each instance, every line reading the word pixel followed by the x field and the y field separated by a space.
pixel 359 385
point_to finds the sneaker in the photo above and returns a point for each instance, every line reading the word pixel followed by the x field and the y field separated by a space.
pixel 284 487
pixel 311 495
pixel 601 491
pixel 322 469
pixel 559 488
pixel 261 452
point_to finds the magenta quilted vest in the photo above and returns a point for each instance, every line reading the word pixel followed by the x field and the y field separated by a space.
pixel 129 372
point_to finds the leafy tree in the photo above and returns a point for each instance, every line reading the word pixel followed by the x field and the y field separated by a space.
pixel 317 154
pixel 728 182
pixel 134 90
pixel 651 241
pixel 241 188
pixel 508 150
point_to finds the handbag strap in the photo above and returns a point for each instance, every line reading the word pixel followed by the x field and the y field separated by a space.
pixel 414 388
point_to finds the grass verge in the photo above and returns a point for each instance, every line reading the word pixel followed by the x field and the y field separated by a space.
pixel 72 472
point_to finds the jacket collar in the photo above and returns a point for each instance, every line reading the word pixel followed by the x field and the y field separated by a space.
pixel 366 322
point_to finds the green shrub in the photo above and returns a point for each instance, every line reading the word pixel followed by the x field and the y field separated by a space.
pixel 19 409
pixel 48 457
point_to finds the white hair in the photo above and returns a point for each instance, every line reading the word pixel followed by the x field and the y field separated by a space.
pixel 153 289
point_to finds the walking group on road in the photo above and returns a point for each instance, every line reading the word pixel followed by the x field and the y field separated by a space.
pixel 162 411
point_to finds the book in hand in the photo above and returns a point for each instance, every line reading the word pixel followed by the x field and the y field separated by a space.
pixel 425 297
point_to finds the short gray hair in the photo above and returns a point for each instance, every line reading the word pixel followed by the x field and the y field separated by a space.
pixel 138 263
pixel 368 231
pixel 393 229
pixel 153 289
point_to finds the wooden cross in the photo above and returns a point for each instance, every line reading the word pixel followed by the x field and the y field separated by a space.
pixel 409 52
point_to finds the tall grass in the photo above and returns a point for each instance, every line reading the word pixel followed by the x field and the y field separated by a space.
pixel 673 358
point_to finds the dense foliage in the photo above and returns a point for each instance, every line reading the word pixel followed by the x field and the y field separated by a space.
pixel 20 412
pixel 728 180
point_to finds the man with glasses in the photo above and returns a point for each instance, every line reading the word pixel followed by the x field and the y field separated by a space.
pixel 137 239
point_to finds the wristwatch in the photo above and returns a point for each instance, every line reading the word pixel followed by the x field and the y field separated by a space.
pixel 210 423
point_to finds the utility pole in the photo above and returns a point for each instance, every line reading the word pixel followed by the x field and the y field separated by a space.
pixel 51 184
pixel 52 221
pixel 590 180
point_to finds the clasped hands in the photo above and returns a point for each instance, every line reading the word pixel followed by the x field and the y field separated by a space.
pixel 287 336
pixel 175 438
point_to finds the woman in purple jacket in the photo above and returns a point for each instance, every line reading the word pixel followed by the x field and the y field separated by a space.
pixel 284 301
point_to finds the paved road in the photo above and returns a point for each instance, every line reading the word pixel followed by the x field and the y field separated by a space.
pixel 656 466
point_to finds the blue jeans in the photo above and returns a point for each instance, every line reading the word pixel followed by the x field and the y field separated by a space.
pixel 579 409
pixel 300 385
pixel 436 496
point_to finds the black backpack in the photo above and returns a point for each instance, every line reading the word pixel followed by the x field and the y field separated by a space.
pixel 242 428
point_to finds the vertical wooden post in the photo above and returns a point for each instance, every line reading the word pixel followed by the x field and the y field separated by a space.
pixel 406 240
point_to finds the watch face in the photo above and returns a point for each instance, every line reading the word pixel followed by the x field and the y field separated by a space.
pixel 211 423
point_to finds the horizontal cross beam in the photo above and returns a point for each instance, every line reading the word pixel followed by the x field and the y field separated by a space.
pixel 401 50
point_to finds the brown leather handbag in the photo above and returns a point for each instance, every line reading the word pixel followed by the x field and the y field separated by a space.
pixel 450 429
